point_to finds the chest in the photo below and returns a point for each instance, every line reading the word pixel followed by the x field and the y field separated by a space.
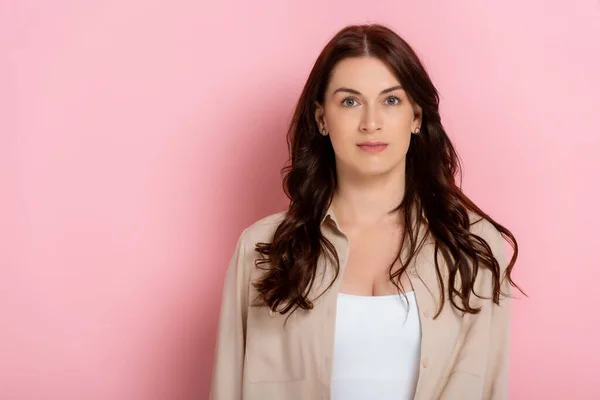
pixel 372 256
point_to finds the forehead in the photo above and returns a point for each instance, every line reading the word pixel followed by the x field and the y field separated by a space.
pixel 368 75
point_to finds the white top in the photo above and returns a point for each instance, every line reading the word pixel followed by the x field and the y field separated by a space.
pixel 377 347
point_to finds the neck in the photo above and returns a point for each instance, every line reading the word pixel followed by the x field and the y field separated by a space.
pixel 368 202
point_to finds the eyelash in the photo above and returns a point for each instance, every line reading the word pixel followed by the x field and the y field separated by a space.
pixel 352 98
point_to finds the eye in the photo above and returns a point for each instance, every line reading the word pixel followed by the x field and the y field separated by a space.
pixel 347 102
pixel 395 101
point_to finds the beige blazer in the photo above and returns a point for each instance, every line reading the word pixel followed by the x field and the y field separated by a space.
pixel 463 357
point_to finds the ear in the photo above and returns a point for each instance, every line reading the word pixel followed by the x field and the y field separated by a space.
pixel 320 117
pixel 418 118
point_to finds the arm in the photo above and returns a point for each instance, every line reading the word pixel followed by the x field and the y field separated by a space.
pixel 496 375
pixel 231 334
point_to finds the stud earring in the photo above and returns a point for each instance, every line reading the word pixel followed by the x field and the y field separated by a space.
pixel 417 131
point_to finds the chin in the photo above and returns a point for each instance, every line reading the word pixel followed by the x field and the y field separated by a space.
pixel 373 171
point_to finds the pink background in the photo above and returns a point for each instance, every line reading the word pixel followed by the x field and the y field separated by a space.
pixel 138 138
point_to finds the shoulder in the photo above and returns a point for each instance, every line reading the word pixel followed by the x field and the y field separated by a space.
pixel 483 228
pixel 245 252
pixel 480 226
pixel 262 230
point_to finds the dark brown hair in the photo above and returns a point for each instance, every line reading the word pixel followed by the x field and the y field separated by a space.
pixel 432 166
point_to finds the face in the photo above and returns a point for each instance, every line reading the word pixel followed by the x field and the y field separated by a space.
pixel 369 118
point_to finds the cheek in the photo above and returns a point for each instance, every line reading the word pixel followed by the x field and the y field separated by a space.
pixel 401 120
pixel 342 120
pixel 342 131
pixel 341 145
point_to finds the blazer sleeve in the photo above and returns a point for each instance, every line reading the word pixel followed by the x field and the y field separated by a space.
pixel 230 347
pixel 496 375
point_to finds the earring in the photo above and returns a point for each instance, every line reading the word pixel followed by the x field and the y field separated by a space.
pixel 324 132
pixel 417 131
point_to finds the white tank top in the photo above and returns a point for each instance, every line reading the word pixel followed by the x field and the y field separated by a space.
pixel 377 347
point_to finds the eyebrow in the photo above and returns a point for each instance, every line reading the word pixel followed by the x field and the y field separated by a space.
pixel 354 91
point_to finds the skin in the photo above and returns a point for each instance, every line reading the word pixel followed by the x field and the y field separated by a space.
pixel 369 184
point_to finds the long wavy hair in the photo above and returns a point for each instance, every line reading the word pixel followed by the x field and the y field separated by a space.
pixel 432 168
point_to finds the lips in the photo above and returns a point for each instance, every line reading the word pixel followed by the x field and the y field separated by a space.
pixel 372 144
pixel 372 147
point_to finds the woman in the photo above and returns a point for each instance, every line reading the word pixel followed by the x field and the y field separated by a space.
pixel 382 280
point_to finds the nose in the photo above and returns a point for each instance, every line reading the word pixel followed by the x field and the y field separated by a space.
pixel 370 121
